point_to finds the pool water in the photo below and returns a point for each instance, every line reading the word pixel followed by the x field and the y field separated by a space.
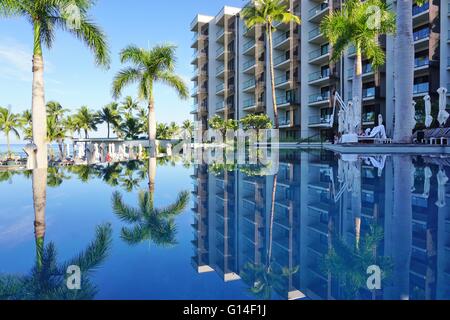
pixel 187 231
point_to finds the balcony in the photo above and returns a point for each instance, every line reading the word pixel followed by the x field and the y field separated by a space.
pixel 420 14
pixel 317 13
pixel 249 104
pixel 249 66
pixel 319 98
pixel 421 89
pixel 367 70
pixel 368 118
pixel 316 36
pixel 351 51
pixel 322 121
pixel 249 32
pixel 220 88
pixel 220 53
pixel 220 71
pixel 281 62
pixel 194 108
pixel 421 63
pixel 281 41
pixel 196 38
pixel 249 47
pixel 220 106
pixel 368 93
pixel 282 82
pixel 421 37
pixel 284 101
pixel 220 35
pixel 284 123
pixel 319 77
pixel 319 56
pixel 249 85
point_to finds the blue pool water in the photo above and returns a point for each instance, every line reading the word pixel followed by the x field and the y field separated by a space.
pixel 333 217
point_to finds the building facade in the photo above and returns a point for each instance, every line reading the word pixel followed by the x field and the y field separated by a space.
pixel 232 78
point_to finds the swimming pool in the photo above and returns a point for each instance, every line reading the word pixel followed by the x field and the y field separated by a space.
pixel 320 228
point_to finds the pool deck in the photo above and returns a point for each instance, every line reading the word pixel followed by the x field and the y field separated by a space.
pixel 389 148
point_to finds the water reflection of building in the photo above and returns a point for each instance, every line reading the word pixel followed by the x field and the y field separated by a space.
pixel 315 205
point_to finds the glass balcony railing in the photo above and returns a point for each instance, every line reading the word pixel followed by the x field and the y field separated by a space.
pixel 285 100
pixel 249 64
pixel 314 33
pixel 368 93
pixel 194 90
pixel 366 69
pixel 318 53
pixel 281 38
pixel 421 62
pixel 420 88
pixel 248 84
pixel 351 50
pixel 248 45
pixel 317 9
pixel 220 87
pixel 448 62
pixel 249 103
pixel 220 105
pixel 220 50
pixel 281 79
pixel 194 107
pixel 322 119
pixel 284 122
pixel 368 117
pixel 421 34
pixel 220 32
pixel 319 97
pixel 220 69
pixel 318 75
pixel 418 10
pixel 280 59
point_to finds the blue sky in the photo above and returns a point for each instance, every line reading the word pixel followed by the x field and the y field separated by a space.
pixel 71 76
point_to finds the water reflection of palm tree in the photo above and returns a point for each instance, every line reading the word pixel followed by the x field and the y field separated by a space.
pixel 349 263
pixel 85 172
pixel 111 174
pixel 56 176
pixel 150 223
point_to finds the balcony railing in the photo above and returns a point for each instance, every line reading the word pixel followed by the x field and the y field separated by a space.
pixel 281 79
pixel 220 50
pixel 220 32
pixel 421 34
pixel 318 53
pixel 220 69
pixel 366 69
pixel 317 9
pixel 280 59
pixel 220 105
pixel 314 33
pixel 421 88
pixel 249 64
pixel 421 62
pixel 248 84
pixel 249 103
pixel 285 100
pixel 368 93
pixel 284 122
pixel 448 62
pixel 368 117
pixel 319 97
pixel 248 45
pixel 319 119
pixel 281 38
pixel 318 75
pixel 351 50
pixel 418 10
pixel 220 87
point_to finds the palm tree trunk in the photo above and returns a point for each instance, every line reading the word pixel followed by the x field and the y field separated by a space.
pixel 8 145
pixel 39 112
pixel 272 218
pixel 404 73
pixel 39 201
pixel 108 129
pixel 272 76
pixel 402 221
pixel 86 134
pixel 60 147
pixel 151 177
pixel 152 127
pixel 357 86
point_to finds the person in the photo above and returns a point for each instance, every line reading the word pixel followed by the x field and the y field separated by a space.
pixel 108 157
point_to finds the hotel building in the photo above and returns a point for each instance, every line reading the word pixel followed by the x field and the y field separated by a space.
pixel 232 79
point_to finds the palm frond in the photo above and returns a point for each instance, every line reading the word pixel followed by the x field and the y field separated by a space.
pixel 124 212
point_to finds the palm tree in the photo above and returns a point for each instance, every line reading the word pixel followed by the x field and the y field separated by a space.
pixel 267 13
pixel 149 67
pixel 110 115
pixel 143 118
pixel 404 72
pixel 48 278
pixel 352 26
pixel 87 120
pixel 56 176
pixel 55 109
pixel 72 126
pixel 27 129
pixel 129 105
pixel 46 16
pixel 162 131
pixel 150 223
pixel 9 123
pixel 131 128
pixel 56 131
pixel 174 129
pixel 188 125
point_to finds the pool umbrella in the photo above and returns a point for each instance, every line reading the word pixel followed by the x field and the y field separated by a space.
pixel 426 185
pixel 443 115
pixel 442 180
pixel 428 117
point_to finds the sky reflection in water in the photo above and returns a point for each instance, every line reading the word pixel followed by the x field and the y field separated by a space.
pixel 333 217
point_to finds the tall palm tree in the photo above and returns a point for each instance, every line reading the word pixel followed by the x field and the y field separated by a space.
pixel 128 106
pixel 174 129
pixel 56 131
pixel 27 129
pixel 87 120
pixel 110 115
pixel 9 123
pixel 150 223
pixel 149 67
pixel 404 72
pixel 46 16
pixel 55 109
pixel 267 13
pixel 72 125
pixel 162 131
pixel 188 125
pixel 142 115
pixel 353 25
pixel 131 128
